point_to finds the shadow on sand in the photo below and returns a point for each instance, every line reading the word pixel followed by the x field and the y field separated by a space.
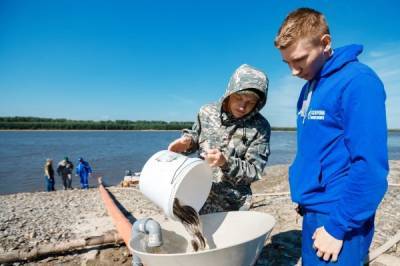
pixel 284 249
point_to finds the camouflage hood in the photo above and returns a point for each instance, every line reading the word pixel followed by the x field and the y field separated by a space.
pixel 247 77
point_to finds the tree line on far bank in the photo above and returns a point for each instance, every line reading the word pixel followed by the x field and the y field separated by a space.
pixel 66 124
pixel 37 123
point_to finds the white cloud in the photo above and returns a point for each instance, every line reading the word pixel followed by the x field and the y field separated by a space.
pixel 385 60
pixel 180 108
pixel 282 99
pixel 374 54
pixel 182 100
pixel 105 117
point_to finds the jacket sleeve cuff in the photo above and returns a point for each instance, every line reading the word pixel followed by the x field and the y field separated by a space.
pixel 227 166
pixel 334 230
pixel 193 145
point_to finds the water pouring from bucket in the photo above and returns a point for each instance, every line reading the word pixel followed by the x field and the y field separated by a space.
pixel 180 186
pixel 233 238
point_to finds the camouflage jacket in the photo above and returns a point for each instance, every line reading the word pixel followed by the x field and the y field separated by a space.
pixel 244 141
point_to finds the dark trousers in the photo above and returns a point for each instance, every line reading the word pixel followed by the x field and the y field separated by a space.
pixel 67 181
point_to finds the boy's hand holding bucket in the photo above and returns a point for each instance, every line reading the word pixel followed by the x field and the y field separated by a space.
pixel 214 157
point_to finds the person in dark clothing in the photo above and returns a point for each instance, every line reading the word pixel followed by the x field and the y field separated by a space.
pixel 64 170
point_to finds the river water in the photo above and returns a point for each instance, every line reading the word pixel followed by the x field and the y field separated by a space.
pixel 110 153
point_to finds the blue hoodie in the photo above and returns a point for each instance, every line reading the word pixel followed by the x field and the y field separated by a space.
pixel 83 169
pixel 341 164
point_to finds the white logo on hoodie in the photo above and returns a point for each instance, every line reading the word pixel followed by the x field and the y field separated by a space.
pixel 316 115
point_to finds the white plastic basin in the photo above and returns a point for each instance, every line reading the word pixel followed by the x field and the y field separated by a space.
pixel 233 238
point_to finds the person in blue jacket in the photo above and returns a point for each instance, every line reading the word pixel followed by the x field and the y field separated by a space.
pixel 338 176
pixel 83 170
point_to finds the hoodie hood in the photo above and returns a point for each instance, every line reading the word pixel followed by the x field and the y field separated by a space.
pixel 248 77
pixel 341 56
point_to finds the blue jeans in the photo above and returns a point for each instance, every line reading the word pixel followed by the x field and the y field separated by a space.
pixel 49 184
pixel 84 182
pixel 355 243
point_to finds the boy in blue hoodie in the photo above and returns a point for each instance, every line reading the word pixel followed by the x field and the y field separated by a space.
pixel 338 177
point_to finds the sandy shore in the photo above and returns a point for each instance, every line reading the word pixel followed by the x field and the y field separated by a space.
pixel 31 219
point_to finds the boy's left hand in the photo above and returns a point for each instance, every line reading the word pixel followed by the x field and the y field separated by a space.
pixel 214 157
pixel 326 246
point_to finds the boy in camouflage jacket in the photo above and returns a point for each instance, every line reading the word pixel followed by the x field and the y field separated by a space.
pixel 233 137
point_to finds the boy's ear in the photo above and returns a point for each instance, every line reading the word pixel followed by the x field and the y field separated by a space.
pixel 326 42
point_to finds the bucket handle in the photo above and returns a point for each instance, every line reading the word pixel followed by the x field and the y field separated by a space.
pixel 179 170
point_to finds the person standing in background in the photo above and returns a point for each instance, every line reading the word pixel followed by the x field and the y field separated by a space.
pixel 49 175
pixel 83 170
pixel 64 169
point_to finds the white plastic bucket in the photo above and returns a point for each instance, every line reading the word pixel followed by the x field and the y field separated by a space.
pixel 168 175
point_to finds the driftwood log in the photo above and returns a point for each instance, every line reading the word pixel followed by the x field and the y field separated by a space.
pixel 286 193
pixel 110 237
pixel 382 249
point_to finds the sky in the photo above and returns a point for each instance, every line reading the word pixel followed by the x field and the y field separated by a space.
pixel 163 60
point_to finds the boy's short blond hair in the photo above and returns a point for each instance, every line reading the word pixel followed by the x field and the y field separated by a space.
pixel 299 24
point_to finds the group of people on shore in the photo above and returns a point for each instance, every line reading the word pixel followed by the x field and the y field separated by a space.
pixel 64 169
pixel 338 177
